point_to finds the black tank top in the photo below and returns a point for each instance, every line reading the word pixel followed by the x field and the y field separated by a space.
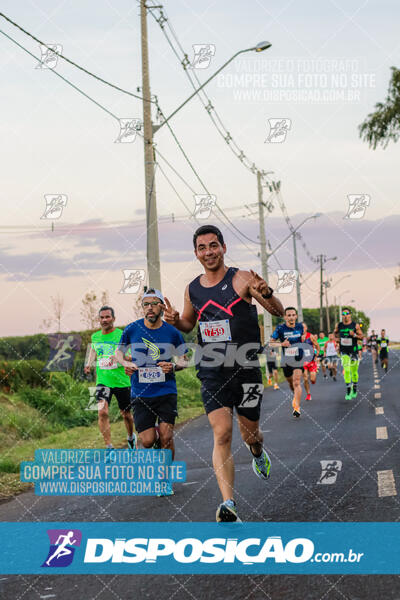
pixel 221 303
pixel 348 343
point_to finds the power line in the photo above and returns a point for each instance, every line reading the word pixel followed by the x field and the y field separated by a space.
pixel 163 20
pixel 292 228
pixel 62 77
pixel 117 119
pixel 71 62
pixel 201 181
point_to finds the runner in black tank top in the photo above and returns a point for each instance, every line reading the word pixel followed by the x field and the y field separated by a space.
pixel 347 334
pixel 220 301
pixel 227 320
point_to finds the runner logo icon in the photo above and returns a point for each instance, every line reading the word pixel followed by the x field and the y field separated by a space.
pixel 252 394
pixel 63 543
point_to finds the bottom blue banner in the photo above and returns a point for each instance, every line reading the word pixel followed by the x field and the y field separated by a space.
pixel 194 548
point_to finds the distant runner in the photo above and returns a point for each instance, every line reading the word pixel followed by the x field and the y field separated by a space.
pixel 310 367
pixel 383 345
pixel 220 300
pixel 347 334
pixel 331 348
pixel 110 378
pixel 272 369
pixel 290 335
pixel 321 343
pixel 373 342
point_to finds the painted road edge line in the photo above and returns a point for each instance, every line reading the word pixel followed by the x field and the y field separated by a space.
pixel 386 483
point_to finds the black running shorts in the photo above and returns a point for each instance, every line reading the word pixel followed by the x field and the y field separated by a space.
pixel 271 366
pixel 147 411
pixel 241 389
pixel 122 394
pixel 288 370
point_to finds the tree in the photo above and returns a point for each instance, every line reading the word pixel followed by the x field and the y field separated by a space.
pixel 383 125
pixel 57 307
pixel 90 309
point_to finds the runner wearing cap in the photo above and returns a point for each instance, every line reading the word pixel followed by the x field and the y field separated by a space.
pixel 153 344
pixel 220 300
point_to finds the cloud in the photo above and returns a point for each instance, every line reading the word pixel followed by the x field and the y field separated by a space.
pixel 358 244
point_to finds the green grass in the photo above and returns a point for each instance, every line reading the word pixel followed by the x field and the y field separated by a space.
pixel 25 428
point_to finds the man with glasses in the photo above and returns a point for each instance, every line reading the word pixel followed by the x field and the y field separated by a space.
pixel 347 334
pixel 153 343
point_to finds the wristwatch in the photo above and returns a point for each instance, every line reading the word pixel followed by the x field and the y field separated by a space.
pixel 269 295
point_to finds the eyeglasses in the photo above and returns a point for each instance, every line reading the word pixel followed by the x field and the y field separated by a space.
pixel 345 312
pixel 147 304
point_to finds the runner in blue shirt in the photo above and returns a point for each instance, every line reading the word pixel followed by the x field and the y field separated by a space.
pixel 291 335
pixel 153 343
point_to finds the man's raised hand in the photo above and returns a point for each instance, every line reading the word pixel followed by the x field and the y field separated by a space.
pixel 257 284
pixel 171 315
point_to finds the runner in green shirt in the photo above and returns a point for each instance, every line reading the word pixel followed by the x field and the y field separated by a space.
pixel 110 377
pixel 321 343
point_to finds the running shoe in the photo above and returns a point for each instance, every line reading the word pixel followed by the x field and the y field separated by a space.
pixel 276 386
pixel 132 444
pixel 157 443
pixel 334 378
pixel 348 396
pixel 262 465
pixel 226 512
pixel 296 413
pixel 269 381
pixel 308 397
pixel 353 393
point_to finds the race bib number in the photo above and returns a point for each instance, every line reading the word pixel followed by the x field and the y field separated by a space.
pixel 346 341
pixel 291 351
pixel 383 345
pixel 108 362
pixel 215 331
pixel 151 375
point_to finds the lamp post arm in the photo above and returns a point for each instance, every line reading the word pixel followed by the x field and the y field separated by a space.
pixel 157 127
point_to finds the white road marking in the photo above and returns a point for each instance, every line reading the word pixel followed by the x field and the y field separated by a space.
pixel 190 482
pixel 377 387
pixel 381 433
pixel 379 410
pixel 386 484
pixel 378 395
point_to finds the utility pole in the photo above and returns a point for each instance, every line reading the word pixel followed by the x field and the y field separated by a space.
pixel 153 251
pixel 296 266
pixel 321 291
pixel 328 321
pixel 264 256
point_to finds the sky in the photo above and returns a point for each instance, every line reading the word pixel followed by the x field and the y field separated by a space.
pixel 328 65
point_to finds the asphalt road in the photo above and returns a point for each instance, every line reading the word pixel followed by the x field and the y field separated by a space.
pixel 330 429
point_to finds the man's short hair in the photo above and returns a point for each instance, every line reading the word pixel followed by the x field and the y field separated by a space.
pixel 107 308
pixel 290 308
pixel 208 229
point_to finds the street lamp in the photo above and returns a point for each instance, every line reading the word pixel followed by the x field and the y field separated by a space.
pixel 152 248
pixel 339 280
pixel 296 266
pixel 260 47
